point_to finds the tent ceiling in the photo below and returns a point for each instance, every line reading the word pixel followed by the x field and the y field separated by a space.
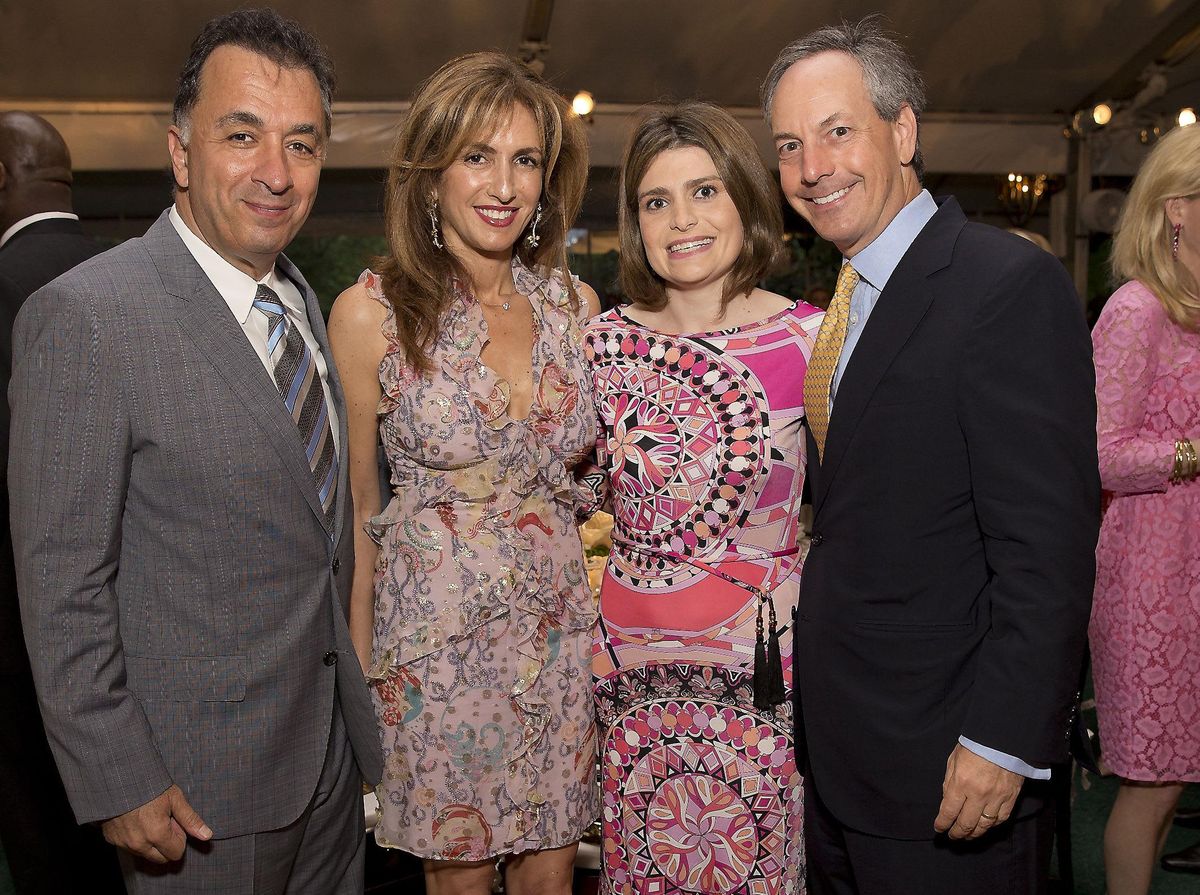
pixel 992 66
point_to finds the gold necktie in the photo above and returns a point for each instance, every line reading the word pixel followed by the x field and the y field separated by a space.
pixel 826 351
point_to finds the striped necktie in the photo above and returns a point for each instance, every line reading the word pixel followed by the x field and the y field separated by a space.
pixel 299 385
pixel 828 348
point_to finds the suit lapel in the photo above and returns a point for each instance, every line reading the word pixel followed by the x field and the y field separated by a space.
pixel 901 306
pixel 208 322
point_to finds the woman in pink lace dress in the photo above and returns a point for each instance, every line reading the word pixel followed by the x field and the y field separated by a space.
pixel 464 355
pixel 1145 630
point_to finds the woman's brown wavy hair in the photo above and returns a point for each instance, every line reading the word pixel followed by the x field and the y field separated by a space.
pixel 468 97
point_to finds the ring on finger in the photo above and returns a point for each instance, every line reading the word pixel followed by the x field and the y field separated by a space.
pixel 991 817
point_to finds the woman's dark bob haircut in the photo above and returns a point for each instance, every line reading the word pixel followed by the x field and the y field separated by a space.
pixel 747 180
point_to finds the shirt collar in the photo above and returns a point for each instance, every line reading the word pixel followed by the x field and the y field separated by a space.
pixel 33 219
pixel 878 260
pixel 237 288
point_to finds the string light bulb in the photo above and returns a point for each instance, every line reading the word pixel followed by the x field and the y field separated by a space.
pixel 583 104
pixel 1102 114
pixel 1186 116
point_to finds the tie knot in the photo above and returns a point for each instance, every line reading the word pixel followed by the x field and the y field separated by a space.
pixel 847 280
pixel 268 302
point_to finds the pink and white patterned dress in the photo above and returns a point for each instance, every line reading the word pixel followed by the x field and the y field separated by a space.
pixel 1145 628
pixel 483 614
pixel 703 444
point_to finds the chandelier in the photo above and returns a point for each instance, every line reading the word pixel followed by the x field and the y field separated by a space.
pixel 1020 195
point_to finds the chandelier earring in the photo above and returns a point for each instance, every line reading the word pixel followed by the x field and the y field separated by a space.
pixel 1175 241
pixel 533 239
pixel 433 225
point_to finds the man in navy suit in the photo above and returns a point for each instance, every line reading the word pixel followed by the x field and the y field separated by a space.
pixel 40 238
pixel 952 457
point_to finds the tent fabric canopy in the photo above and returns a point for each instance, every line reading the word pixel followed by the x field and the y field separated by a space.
pixel 1003 77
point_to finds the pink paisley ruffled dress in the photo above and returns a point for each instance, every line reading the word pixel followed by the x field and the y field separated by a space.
pixel 1145 630
pixel 703 444
pixel 483 615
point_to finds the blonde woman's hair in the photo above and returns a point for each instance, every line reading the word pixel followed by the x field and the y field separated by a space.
pixel 468 97
pixel 1142 245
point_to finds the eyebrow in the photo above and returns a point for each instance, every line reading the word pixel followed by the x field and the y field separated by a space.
pixel 240 118
pixel 487 147
pixel 824 123
pixel 251 120
pixel 308 129
pixel 691 184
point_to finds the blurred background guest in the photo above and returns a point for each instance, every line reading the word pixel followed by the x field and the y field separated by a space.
pixel 699 384
pixel 1036 238
pixel 1145 628
pixel 40 238
pixel 463 350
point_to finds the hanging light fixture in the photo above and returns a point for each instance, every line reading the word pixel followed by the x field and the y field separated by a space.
pixel 1020 195
pixel 583 104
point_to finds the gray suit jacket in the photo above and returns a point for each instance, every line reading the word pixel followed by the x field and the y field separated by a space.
pixel 182 598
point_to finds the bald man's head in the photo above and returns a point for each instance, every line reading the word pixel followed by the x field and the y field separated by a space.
pixel 35 168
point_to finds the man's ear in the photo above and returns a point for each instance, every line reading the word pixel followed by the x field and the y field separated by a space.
pixel 905 127
pixel 178 151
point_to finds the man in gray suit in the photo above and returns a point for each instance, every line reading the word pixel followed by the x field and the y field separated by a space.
pixel 180 508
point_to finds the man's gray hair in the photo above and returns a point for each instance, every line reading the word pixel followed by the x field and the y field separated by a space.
pixel 891 78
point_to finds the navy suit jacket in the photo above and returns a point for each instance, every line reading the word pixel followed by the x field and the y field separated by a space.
pixel 956 510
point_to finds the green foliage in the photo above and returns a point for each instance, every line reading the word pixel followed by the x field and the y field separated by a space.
pixel 332 263
pixel 809 263
pixel 1100 284
pixel 599 272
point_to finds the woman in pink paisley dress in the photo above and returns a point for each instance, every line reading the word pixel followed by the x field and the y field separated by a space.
pixel 1145 629
pixel 462 352
pixel 699 384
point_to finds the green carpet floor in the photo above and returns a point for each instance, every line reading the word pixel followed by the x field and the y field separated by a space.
pixel 1088 815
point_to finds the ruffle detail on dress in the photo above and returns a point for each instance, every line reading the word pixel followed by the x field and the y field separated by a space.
pixel 394 373
pixel 489 505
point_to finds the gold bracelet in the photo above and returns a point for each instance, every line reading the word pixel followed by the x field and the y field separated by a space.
pixel 1180 462
pixel 1187 464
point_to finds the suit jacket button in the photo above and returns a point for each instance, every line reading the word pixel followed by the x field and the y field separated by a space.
pixel 337 564
pixel 330 658
pixel 817 539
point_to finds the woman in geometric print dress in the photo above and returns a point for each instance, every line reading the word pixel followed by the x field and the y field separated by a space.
pixel 699 387
pixel 464 353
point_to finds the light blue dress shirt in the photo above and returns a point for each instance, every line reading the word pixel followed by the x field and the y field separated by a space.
pixel 875 265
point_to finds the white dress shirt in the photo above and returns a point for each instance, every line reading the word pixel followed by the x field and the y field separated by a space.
pixel 238 290
pixel 33 219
